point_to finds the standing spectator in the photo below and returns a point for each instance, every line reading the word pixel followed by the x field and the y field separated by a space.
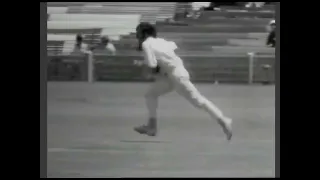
pixel 198 8
pixel 256 4
pixel 105 45
pixel 271 40
pixel 80 50
pixel 79 46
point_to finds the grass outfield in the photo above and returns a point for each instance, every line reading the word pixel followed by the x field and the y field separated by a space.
pixel 90 132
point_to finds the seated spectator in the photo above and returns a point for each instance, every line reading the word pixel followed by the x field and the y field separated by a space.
pixel 105 45
pixel 255 4
pixel 79 46
pixel 271 40
pixel 198 8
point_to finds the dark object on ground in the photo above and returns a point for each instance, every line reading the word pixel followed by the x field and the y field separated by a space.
pixel 266 68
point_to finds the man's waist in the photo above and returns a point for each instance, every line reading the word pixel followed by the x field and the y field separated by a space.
pixel 173 70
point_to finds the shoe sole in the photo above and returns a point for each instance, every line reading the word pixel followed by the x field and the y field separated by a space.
pixel 144 132
pixel 226 129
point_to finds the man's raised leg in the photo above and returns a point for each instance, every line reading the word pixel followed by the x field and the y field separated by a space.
pixel 185 88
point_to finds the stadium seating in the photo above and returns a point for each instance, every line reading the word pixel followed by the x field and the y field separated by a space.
pixel 57 10
pixel 214 47
pixel 111 25
pixel 112 18
pixel 150 12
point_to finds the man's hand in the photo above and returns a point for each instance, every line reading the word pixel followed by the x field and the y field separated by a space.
pixel 156 70
pixel 140 63
pixel 148 72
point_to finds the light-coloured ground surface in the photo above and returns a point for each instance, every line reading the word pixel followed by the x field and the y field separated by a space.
pixel 90 133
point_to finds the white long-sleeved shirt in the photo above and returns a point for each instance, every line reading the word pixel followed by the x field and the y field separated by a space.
pixel 82 49
pixel 108 49
pixel 197 5
pixel 160 52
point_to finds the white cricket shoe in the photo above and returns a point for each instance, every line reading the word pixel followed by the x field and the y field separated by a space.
pixel 226 124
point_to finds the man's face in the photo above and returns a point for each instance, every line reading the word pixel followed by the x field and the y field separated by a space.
pixel 104 41
pixel 139 35
pixel 273 27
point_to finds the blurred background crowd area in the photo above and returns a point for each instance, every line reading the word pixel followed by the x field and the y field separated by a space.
pixel 214 38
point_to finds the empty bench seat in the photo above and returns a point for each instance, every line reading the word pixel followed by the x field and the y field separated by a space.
pixel 65 4
pixel 90 24
pixel 139 4
pixel 111 9
pixel 60 37
pixel 96 17
pixel 75 31
pixel 57 10
pixel 242 49
pixel 247 42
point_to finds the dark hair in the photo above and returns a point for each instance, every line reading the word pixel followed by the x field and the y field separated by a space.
pixel 104 39
pixel 147 29
pixel 79 37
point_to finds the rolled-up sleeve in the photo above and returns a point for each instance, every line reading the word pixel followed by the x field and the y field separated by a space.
pixel 149 57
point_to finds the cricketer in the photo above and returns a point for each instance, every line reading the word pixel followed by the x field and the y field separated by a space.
pixel 162 60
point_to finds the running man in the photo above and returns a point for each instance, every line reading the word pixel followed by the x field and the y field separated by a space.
pixel 171 75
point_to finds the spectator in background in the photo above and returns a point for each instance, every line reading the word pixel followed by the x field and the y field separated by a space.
pixel 271 40
pixel 197 9
pixel 105 45
pixel 79 46
pixel 256 4
pixel 79 49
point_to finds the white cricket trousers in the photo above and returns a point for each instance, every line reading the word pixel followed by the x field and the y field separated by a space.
pixel 184 87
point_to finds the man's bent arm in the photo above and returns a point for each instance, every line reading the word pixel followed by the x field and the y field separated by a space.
pixel 149 58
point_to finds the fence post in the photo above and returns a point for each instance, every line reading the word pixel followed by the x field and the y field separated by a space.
pixel 90 61
pixel 251 65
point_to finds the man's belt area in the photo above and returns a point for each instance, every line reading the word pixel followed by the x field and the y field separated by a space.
pixel 157 71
